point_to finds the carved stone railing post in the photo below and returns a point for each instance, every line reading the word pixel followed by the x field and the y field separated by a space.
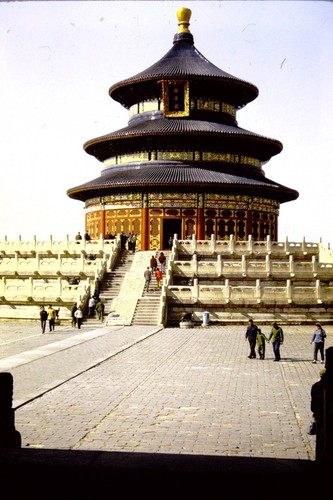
pixel 250 244
pixel 232 244
pixel 195 264
pixel 213 243
pixel 318 292
pixel 291 265
pixel 268 244
pixel 195 295
pixel 227 291
pixel 219 265
pixel 194 243
pixel 289 292
pixel 244 265
pixel 258 292
pixel 268 266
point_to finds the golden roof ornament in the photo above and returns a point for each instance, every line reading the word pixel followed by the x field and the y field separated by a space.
pixel 184 16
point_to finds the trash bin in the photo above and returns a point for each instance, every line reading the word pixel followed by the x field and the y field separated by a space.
pixel 205 318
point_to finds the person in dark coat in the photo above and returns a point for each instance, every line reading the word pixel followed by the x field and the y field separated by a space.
pixel 74 308
pixel 318 341
pixel 43 318
pixel 251 336
pixel 322 410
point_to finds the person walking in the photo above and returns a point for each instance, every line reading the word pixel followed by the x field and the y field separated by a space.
pixel 51 316
pixel 278 338
pixel 322 410
pixel 43 318
pixel 100 310
pixel 97 288
pixel 162 261
pixel 123 239
pixel 74 308
pixel 261 343
pixel 153 264
pixel 133 242
pixel 91 306
pixel 79 317
pixel 318 341
pixel 251 336
pixel 158 276
pixel 147 277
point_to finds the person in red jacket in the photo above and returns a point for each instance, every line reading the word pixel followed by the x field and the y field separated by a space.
pixel 158 276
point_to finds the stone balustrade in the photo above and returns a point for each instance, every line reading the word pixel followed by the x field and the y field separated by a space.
pixel 241 273
pixel 249 247
pixel 50 272
pixel 41 291
pixel 48 266
pixel 67 245
pixel 246 267
pixel 255 292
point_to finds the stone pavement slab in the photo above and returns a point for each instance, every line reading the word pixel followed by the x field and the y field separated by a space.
pixel 180 391
pixel 159 411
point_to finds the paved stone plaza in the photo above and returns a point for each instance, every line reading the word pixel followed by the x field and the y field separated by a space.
pixel 179 391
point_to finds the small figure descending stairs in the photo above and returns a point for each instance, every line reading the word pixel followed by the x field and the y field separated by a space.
pixel 111 285
pixel 147 311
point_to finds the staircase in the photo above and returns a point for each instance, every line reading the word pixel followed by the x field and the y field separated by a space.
pixel 147 307
pixel 111 285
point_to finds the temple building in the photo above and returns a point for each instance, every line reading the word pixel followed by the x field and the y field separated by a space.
pixel 182 165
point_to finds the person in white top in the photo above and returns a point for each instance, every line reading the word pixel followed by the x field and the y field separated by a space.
pixel 79 317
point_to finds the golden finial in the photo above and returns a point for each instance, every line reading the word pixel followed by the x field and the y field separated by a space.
pixel 184 16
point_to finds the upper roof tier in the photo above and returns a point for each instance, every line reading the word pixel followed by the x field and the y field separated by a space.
pixel 184 61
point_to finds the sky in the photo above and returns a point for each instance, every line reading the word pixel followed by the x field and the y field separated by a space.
pixel 59 59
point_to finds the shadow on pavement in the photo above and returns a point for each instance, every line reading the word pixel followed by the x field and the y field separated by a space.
pixel 97 474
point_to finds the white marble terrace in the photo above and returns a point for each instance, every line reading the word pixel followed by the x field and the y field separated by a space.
pixel 213 272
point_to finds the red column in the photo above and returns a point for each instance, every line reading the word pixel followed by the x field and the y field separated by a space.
pixel 102 222
pixel 200 219
pixel 145 223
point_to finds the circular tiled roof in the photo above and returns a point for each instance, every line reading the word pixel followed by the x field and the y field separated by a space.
pixel 161 175
pixel 179 129
pixel 184 61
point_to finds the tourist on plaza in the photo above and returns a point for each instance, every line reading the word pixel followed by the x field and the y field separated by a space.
pixel 261 343
pixel 170 242
pixel 322 410
pixel 158 276
pixel 74 308
pixel 79 317
pixel 131 242
pixel 147 277
pixel 278 338
pixel 251 336
pixel 318 341
pixel 162 261
pixel 123 239
pixel 43 318
pixel 51 316
pixel 78 237
pixel 100 309
pixel 97 288
pixel 153 264
pixel 91 306
pixel 87 236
